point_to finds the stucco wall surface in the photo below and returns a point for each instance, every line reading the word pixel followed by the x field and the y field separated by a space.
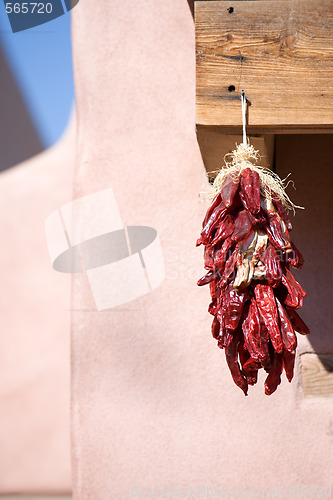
pixel 35 327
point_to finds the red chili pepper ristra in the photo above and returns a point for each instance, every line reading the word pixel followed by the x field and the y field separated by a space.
pixel 254 296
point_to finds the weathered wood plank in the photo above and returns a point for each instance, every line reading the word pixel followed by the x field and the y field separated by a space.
pixel 317 374
pixel 280 52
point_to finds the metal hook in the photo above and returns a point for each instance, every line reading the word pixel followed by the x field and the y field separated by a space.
pixel 244 101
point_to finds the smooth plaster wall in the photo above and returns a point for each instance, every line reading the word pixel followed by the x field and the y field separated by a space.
pixel 35 327
pixel 153 403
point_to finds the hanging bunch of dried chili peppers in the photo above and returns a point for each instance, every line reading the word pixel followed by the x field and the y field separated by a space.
pixel 248 255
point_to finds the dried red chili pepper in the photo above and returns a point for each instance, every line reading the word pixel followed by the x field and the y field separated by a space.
pixel 242 226
pixel 213 221
pixel 287 332
pixel 295 294
pixel 273 267
pixel 267 308
pixel 225 230
pixel 215 328
pixel 249 190
pixel 251 331
pixel 229 268
pixel 274 376
pixel 288 359
pixel 297 322
pixel 231 354
pixel 232 306
pixel 207 278
pixel 217 201
pixel 228 190
pixel 295 258
pixel 282 213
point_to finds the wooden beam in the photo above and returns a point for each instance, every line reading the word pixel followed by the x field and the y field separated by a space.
pixel 317 374
pixel 280 52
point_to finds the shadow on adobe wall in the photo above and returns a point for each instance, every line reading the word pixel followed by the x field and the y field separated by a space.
pixel 19 139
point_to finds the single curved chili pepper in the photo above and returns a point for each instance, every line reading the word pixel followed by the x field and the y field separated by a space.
pixel 221 255
pixel 264 335
pixel 287 332
pixel 207 278
pixel 297 322
pixel 215 328
pixel 229 189
pixel 251 331
pixel 295 294
pixel 231 354
pixel 276 230
pixel 272 265
pixel 208 258
pixel 225 230
pixel 276 234
pixel 274 376
pixel 214 291
pixel 225 335
pixel 212 223
pixel 249 190
pixel 213 307
pixel 288 294
pixel 242 226
pixel 232 306
pixel 229 268
pixel 295 283
pixel 288 359
pixel 267 308
pixel 295 258
pixel 250 375
pixel 282 212
pixel 214 204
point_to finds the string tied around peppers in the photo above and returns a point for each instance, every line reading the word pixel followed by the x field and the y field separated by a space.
pixel 246 156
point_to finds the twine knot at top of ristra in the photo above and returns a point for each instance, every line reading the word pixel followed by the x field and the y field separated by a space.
pixel 246 156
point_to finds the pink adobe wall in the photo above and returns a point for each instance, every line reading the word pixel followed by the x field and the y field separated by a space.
pixel 35 327
pixel 153 404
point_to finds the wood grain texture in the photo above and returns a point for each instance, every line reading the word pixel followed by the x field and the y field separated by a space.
pixel 317 374
pixel 280 52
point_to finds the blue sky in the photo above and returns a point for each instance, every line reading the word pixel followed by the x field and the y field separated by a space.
pixel 41 62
